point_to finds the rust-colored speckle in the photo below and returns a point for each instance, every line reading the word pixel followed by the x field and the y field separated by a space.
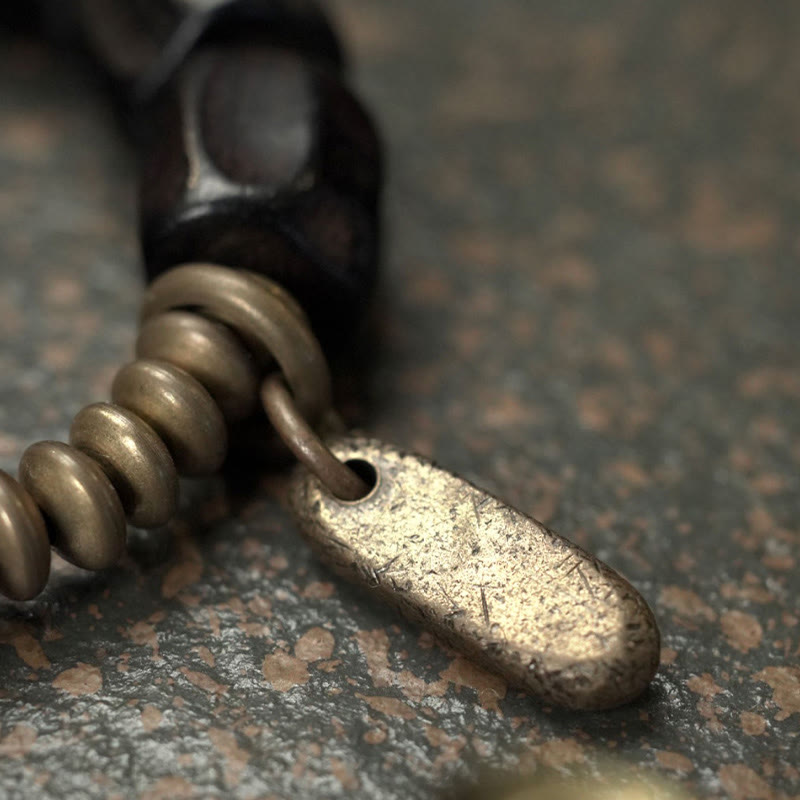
pixel 674 761
pixel 203 681
pixel 18 742
pixel 450 747
pixel 143 633
pixel 318 590
pixel 743 783
pixel 206 655
pixel 375 647
pixel 260 607
pixel 236 758
pixel 750 589
pixel 375 736
pixel 743 631
pixel 315 644
pixel 490 689
pixel 668 655
pixel 283 671
pixel 28 648
pixel 686 602
pixel 80 680
pixel 416 688
pixel 390 706
pixel 169 788
pixel 344 773
pixel 753 724
pixel 181 577
pixel 705 686
pixel 785 685
pixel 151 718
pixel 559 753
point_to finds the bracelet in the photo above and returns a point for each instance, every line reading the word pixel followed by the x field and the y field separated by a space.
pixel 259 203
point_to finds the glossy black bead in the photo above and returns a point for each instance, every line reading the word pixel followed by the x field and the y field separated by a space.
pixel 261 159
pixel 143 43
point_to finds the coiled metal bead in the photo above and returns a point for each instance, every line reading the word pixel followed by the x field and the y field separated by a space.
pixel 135 459
pixel 209 352
pixel 180 411
pixel 83 512
pixel 24 547
pixel 269 325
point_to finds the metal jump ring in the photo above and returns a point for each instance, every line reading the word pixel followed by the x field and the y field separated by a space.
pixel 305 444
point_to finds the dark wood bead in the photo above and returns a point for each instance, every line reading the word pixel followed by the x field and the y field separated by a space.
pixel 20 15
pixel 261 160
pixel 142 43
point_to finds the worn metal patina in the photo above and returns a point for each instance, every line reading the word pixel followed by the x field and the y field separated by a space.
pixel 490 581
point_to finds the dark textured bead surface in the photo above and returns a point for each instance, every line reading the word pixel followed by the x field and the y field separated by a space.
pixel 260 160
pixel 141 43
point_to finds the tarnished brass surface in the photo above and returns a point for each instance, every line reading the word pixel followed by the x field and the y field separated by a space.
pixel 24 546
pixel 134 458
pixel 487 579
pixel 178 409
pixel 84 515
pixel 614 780
pixel 306 445
pixel 209 352
pixel 270 325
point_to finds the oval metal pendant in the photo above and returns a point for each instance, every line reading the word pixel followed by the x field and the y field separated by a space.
pixel 488 580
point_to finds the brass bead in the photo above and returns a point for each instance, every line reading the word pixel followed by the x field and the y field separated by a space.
pixel 84 515
pixel 24 547
pixel 271 325
pixel 136 461
pixel 209 352
pixel 179 409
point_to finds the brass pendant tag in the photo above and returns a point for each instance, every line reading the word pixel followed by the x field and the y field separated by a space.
pixel 487 579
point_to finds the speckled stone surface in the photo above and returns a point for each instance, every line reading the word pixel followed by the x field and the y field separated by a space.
pixel 590 306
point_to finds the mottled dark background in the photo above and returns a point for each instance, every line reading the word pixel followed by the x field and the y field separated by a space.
pixel 590 305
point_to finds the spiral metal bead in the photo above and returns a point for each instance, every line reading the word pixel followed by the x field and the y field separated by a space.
pixel 209 352
pixel 178 409
pixel 25 562
pixel 270 326
pixel 84 514
pixel 209 334
pixel 135 459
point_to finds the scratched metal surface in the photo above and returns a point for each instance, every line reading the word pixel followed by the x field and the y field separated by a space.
pixel 589 306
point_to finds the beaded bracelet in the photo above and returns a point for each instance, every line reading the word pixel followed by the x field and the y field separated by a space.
pixel 256 156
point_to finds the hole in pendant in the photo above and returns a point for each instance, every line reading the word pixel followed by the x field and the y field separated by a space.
pixel 366 472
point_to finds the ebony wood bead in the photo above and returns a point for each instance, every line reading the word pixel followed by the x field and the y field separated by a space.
pixel 260 160
pixel 142 43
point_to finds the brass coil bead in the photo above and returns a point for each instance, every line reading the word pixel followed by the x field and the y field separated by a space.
pixel 133 457
pixel 178 409
pixel 271 327
pixel 209 352
pixel 168 416
pixel 83 512
pixel 24 546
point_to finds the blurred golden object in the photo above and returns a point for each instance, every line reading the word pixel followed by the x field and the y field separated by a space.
pixel 616 781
